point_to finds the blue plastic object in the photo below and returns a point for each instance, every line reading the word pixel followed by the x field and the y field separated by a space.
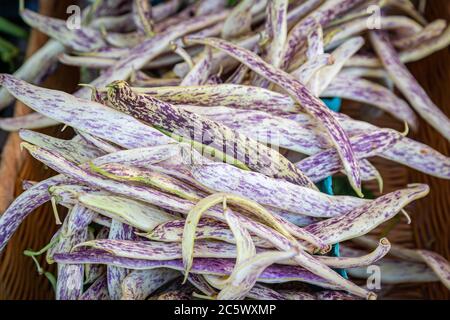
pixel 326 185
pixel 333 103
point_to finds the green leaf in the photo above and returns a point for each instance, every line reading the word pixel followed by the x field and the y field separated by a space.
pixel 232 3
pixel 342 187
pixel 7 51
pixel 12 29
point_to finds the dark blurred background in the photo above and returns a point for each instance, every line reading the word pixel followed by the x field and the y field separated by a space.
pixel 13 42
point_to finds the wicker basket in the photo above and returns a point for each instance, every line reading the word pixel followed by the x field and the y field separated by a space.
pixel 431 215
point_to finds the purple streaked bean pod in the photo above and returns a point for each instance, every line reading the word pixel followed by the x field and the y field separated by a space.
pixel 112 7
pixel 142 216
pixel 261 292
pixel 305 72
pixel 140 284
pixel 238 75
pixel 275 130
pixel 288 230
pixel 409 55
pixel 229 95
pixel 334 295
pixel 357 11
pixel 97 291
pixel 236 146
pixel 326 12
pixel 69 285
pixel 395 251
pixel 237 228
pixel 380 251
pixel 67 195
pixel 80 39
pixel 200 72
pixel 245 247
pixel 430 31
pixel 397 272
pixel 107 53
pixel 73 151
pixel 170 59
pixel 311 104
pixel 180 205
pixel 325 76
pixel 172 231
pixel 93 272
pixel 245 275
pixel 326 163
pixel 176 17
pixel 141 79
pixel 70 282
pixel 276 32
pixel 137 58
pixel 357 89
pixel 409 8
pixel 142 16
pixel 291 294
pixel 302 258
pixel 151 178
pixel 115 275
pixel 362 72
pixel 30 121
pixel 419 156
pixel 221 60
pixel 438 264
pixel 142 193
pixel 206 7
pixel 408 85
pixel 355 27
pixel 239 20
pixel 120 23
pixel 149 49
pixel 178 295
pixel 35 68
pixel 273 192
pixel 369 172
pixel 266 128
pixel 176 168
pixel 27 184
pixel 300 11
pixel 91 62
pixel 102 221
pixel 315 41
pixel 199 282
pixel 166 9
pixel 363 219
pixel 406 151
pixel 154 250
pixel 23 205
pixel 294 218
pixel 99 143
pixel 89 116
pixel 245 251
pixel 141 157
pixel 219 267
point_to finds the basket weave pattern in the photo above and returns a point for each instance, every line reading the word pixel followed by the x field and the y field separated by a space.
pixel 18 276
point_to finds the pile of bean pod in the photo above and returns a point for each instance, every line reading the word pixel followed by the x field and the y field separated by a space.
pixel 201 137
